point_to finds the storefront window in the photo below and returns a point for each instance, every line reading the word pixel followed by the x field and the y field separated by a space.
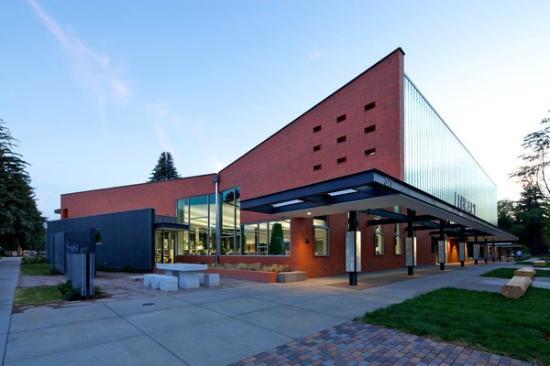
pixel 200 214
pixel 320 233
pixel 266 238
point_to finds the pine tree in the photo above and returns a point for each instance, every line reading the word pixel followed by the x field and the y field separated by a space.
pixel 165 169
pixel 21 224
pixel 277 243
pixel 532 215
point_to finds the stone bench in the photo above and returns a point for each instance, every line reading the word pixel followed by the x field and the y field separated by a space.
pixel 168 283
pixel 293 276
pixel 539 263
pixel 211 279
pixel 525 272
pixel 516 287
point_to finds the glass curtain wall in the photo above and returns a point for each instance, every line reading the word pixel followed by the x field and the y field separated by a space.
pixel 438 163
pixel 199 213
pixel 266 238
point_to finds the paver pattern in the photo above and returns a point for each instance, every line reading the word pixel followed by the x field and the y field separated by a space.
pixel 355 343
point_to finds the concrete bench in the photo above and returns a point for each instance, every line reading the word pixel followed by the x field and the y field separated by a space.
pixel 168 283
pixel 516 287
pixel 148 279
pixel 525 272
pixel 539 263
pixel 293 276
pixel 211 279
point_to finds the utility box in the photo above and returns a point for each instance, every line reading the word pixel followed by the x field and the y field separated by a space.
pixel 353 251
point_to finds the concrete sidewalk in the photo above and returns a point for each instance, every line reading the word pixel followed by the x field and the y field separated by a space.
pixel 9 275
pixel 213 327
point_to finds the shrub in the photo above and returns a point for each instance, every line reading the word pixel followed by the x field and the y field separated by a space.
pixel 70 294
pixel 253 267
pixel 33 260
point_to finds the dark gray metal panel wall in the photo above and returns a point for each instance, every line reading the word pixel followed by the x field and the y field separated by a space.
pixel 127 237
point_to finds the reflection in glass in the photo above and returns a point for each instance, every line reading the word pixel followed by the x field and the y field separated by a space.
pixel 438 163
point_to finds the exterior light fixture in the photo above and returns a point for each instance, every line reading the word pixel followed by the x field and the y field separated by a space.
pixel 309 213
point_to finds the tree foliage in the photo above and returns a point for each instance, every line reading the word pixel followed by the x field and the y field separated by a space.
pixel 535 159
pixel 21 224
pixel 277 244
pixel 165 169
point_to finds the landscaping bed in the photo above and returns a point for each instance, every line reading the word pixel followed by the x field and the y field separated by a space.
pixel 485 320
pixel 249 271
pixel 509 273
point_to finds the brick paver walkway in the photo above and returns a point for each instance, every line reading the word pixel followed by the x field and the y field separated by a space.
pixel 355 343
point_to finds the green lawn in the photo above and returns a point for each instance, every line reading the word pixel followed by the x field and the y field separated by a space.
pixel 37 295
pixel 35 269
pixel 517 328
pixel 509 273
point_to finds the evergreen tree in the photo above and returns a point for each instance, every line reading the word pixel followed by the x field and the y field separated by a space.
pixel 532 215
pixel 277 244
pixel 21 224
pixel 506 218
pixel 165 169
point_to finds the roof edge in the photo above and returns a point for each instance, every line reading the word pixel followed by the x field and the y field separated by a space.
pixel 139 184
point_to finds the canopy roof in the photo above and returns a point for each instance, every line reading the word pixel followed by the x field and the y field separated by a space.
pixel 374 192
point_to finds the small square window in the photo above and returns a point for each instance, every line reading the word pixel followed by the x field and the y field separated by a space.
pixel 370 128
pixel 341 118
pixel 317 167
pixel 341 160
pixel 341 139
pixel 370 106
pixel 316 128
pixel 370 152
pixel 316 147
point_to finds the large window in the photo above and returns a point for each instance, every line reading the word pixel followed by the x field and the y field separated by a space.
pixel 321 235
pixel 230 239
pixel 199 213
pixel 378 240
pixel 266 238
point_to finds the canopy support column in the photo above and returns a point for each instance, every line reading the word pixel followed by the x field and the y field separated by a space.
pixel 353 247
pixel 410 243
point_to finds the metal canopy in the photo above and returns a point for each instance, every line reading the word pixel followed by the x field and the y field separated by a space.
pixel 372 191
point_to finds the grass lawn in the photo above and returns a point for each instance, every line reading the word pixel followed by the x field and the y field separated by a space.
pixel 37 295
pixel 530 262
pixel 509 273
pixel 517 328
pixel 35 269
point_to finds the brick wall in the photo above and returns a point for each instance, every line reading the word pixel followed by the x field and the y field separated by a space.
pixel 161 196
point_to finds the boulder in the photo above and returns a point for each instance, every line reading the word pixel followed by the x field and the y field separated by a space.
pixel 539 263
pixel 516 287
pixel 525 272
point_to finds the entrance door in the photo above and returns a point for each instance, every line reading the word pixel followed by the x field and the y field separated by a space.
pixel 165 244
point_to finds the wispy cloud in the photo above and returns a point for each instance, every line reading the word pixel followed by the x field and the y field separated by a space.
pixel 314 55
pixel 92 69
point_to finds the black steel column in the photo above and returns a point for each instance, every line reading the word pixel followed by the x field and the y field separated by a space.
pixel 353 225
pixel 476 256
pixel 410 234
pixel 463 244
pixel 486 253
pixel 441 236
pixel 494 252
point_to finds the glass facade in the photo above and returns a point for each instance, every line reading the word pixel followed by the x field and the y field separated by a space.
pixel 199 213
pixel 438 163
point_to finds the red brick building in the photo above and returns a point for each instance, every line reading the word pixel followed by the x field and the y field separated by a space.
pixel 379 123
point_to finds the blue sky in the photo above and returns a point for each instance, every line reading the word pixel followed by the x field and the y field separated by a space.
pixel 96 90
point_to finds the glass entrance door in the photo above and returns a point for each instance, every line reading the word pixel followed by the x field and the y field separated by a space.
pixel 165 244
